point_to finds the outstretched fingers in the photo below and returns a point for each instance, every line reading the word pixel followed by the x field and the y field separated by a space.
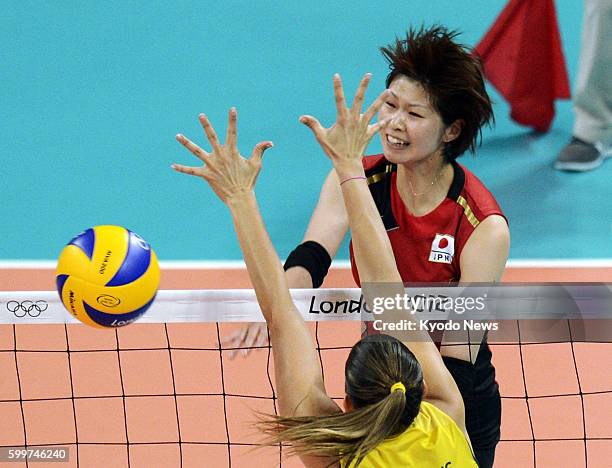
pixel 314 125
pixel 258 151
pixel 195 171
pixel 360 95
pixel 232 132
pixel 192 147
pixel 374 128
pixel 210 133
pixel 376 105
pixel 339 95
pixel 196 151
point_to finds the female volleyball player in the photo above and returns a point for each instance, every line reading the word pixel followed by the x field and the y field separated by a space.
pixel 443 224
pixel 403 408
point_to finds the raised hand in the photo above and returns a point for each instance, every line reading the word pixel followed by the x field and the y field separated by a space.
pixel 346 140
pixel 225 170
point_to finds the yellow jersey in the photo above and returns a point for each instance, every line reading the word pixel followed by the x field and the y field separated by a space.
pixel 433 440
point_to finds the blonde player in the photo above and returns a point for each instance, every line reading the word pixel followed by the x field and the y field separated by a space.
pixel 402 406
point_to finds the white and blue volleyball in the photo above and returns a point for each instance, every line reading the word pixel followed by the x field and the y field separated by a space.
pixel 107 276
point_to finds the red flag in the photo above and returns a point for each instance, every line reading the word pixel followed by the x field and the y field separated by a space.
pixel 522 58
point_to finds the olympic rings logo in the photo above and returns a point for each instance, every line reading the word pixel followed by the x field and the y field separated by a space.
pixel 31 308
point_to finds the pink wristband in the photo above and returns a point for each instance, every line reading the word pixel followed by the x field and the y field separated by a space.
pixel 352 178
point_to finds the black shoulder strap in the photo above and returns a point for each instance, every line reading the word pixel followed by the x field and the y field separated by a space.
pixel 458 182
pixel 379 183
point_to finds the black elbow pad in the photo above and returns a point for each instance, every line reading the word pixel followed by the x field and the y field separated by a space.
pixel 313 257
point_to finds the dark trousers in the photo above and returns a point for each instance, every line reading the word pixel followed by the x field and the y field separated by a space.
pixel 485 457
pixel 482 405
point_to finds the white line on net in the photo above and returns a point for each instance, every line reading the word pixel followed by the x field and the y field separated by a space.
pixel 171 306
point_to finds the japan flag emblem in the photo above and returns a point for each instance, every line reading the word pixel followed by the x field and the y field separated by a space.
pixel 442 249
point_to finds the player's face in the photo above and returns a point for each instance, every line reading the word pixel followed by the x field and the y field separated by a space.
pixel 415 130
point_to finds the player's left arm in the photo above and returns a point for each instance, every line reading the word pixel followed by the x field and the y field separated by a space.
pixel 298 372
pixel 482 260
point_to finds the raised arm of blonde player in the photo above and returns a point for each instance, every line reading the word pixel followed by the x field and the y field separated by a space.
pixel 344 143
pixel 298 372
pixel 327 227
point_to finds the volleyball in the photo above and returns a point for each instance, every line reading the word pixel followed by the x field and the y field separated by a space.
pixel 107 276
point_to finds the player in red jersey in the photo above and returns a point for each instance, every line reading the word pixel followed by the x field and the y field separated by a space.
pixel 443 224
pixel 421 255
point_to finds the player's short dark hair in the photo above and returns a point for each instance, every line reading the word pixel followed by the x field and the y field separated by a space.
pixel 452 77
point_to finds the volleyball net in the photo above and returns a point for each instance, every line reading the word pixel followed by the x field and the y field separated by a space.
pixel 164 391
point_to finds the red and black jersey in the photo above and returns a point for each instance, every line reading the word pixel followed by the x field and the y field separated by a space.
pixel 428 248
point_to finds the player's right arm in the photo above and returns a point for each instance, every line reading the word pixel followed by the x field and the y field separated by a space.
pixel 344 143
pixel 327 227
